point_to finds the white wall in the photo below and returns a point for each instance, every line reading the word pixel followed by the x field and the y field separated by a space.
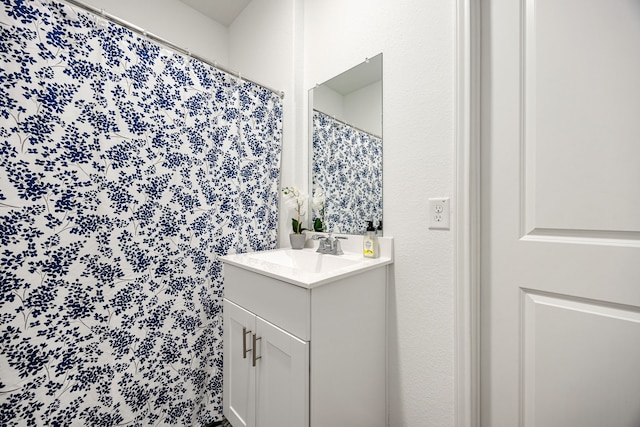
pixel 328 101
pixel 417 40
pixel 363 108
pixel 173 21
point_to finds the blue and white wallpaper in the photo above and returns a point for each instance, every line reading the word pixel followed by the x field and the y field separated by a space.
pixel 125 169
pixel 347 166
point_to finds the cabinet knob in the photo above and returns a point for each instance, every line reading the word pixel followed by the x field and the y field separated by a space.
pixel 244 342
pixel 255 356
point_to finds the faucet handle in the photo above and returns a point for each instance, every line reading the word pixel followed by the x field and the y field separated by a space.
pixel 324 244
pixel 337 250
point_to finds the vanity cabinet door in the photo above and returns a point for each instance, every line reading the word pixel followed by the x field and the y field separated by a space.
pixel 282 378
pixel 266 372
pixel 239 388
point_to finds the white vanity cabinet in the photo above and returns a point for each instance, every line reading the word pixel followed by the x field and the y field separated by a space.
pixel 319 351
pixel 268 384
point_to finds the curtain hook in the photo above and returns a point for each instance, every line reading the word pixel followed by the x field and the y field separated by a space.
pixel 103 21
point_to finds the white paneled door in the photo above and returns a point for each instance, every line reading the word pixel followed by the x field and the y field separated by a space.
pixel 560 285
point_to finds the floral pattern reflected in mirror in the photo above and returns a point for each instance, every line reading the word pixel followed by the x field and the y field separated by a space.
pixel 347 165
pixel 346 150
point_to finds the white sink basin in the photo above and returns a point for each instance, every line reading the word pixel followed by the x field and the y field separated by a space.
pixel 306 267
pixel 306 260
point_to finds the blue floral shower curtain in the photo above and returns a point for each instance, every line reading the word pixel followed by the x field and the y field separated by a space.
pixel 347 166
pixel 125 169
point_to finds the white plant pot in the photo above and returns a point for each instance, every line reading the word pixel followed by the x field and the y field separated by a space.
pixel 297 240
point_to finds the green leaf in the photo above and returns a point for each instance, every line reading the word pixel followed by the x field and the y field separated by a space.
pixel 297 226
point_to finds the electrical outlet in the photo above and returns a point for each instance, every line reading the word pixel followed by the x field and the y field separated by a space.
pixel 439 214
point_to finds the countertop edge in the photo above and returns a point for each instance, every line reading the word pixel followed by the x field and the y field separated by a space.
pixel 373 264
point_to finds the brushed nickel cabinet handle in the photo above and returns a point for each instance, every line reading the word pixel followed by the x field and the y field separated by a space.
pixel 244 342
pixel 255 356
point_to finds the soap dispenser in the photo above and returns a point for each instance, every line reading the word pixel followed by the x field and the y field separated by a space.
pixel 370 242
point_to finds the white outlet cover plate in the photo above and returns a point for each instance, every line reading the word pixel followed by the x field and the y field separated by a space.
pixel 439 213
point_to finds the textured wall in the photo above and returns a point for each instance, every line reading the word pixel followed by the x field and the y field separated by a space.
pixel 175 22
pixel 417 40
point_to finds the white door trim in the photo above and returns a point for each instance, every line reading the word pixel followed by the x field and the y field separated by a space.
pixel 467 234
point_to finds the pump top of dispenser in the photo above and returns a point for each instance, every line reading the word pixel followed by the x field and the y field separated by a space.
pixel 370 226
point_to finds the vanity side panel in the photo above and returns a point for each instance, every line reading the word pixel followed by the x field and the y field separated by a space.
pixel 280 303
pixel 348 351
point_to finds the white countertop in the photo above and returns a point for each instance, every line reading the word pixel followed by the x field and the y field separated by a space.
pixel 307 269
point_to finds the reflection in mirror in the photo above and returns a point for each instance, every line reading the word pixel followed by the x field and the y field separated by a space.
pixel 346 150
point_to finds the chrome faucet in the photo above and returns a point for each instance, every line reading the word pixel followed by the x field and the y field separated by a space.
pixel 328 244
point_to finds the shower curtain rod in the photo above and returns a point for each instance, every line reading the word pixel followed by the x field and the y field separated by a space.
pixel 140 31
pixel 348 124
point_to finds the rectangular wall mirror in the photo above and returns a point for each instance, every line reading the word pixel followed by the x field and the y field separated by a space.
pixel 345 174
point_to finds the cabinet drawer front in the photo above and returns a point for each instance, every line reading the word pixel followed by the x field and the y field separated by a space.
pixel 283 304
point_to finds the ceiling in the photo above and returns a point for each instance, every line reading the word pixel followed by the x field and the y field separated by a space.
pixel 226 11
pixel 222 11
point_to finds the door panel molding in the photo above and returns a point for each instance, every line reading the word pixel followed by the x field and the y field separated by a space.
pixel 585 237
pixel 564 336
pixel 565 76
pixel 528 130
